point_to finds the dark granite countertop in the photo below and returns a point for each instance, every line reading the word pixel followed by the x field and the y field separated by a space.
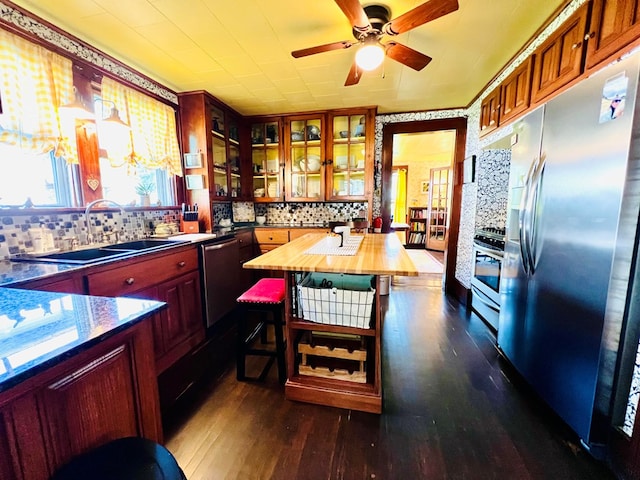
pixel 39 329
pixel 18 272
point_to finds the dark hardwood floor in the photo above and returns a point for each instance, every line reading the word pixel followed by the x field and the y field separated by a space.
pixel 453 409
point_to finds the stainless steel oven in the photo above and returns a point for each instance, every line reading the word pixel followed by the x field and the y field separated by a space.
pixel 488 253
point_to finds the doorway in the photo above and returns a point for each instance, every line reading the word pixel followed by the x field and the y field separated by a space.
pixel 419 135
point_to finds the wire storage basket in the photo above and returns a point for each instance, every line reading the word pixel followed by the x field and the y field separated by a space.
pixel 336 299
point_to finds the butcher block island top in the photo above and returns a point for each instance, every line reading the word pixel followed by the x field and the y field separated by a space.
pixel 334 349
pixel 378 254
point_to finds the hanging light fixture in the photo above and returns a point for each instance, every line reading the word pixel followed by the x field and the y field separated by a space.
pixel 114 116
pixel 113 132
pixel 370 55
pixel 77 108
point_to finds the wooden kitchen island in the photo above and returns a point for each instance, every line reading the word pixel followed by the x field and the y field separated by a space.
pixel 335 364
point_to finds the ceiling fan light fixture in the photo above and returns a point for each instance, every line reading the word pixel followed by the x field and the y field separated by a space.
pixel 370 56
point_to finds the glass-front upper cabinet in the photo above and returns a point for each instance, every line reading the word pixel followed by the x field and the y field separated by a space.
pixel 220 185
pixel 266 161
pixel 234 159
pixel 348 166
pixel 305 162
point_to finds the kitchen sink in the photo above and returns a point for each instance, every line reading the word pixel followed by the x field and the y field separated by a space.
pixel 146 244
pixel 91 255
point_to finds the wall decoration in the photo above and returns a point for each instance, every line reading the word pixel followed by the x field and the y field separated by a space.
pixel 194 182
pixel 424 187
pixel 469 169
pixel 193 160
pixel 93 183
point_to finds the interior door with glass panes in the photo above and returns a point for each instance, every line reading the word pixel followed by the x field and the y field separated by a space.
pixel 266 163
pixel 347 168
pixel 305 172
pixel 439 199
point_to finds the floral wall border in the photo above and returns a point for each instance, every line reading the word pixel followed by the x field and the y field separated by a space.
pixel 33 26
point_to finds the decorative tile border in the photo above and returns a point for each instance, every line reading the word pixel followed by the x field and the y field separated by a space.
pixel 71 45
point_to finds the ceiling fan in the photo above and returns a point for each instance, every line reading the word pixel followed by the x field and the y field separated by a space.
pixel 370 24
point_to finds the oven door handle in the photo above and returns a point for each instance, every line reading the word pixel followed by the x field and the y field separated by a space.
pixel 484 299
pixel 487 251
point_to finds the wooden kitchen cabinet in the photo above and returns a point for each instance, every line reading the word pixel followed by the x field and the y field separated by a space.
pixel 349 162
pixel 313 157
pixel 98 395
pixel 299 232
pixel 62 283
pixel 171 277
pixel 515 92
pixel 490 112
pixel 560 59
pixel 614 25
pixel 247 252
pixel 211 133
pixel 305 157
pixel 267 160
pixel 270 238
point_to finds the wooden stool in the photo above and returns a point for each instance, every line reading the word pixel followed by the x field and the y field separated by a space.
pixel 130 458
pixel 267 298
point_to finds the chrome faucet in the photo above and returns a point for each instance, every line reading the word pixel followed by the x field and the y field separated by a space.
pixel 86 215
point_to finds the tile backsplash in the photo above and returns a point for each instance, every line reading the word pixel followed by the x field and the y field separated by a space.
pixel 65 227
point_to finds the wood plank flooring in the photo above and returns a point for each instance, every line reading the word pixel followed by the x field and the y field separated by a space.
pixel 453 409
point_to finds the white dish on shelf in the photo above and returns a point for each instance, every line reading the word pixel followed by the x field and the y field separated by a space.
pixel 310 164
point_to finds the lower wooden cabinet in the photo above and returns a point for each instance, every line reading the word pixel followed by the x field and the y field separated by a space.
pixel 98 395
pixel 247 252
pixel 181 323
pixel 172 277
pixel 270 238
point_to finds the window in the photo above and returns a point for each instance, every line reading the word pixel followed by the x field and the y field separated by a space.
pixel 39 158
pixel 39 178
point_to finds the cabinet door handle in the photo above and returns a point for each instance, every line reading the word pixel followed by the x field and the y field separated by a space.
pixel 130 280
pixel 589 35
pixel 182 264
pixel 576 45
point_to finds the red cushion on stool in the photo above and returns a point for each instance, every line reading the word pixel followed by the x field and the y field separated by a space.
pixel 266 290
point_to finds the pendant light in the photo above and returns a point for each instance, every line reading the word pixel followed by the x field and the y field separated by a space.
pixel 77 109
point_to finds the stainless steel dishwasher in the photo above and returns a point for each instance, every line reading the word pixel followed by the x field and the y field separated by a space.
pixel 221 278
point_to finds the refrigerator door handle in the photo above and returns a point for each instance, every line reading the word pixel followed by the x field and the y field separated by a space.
pixel 523 220
pixel 535 194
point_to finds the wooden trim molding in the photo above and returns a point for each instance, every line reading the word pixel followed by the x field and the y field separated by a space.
pixel 30 26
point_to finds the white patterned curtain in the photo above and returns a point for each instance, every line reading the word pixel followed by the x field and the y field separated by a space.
pixel 153 140
pixel 34 83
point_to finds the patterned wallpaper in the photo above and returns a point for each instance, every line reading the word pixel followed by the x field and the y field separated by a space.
pixel 492 173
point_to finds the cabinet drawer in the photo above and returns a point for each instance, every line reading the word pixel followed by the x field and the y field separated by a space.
pixel 132 277
pixel 299 232
pixel 278 236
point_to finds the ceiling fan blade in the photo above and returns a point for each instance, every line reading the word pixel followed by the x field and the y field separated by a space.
pixel 420 15
pixel 407 56
pixel 355 13
pixel 321 48
pixel 354 75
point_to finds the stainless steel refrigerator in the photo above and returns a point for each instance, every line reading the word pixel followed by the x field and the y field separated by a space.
pixel 573 174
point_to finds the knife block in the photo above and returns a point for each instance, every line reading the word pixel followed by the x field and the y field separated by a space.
pixel 189 226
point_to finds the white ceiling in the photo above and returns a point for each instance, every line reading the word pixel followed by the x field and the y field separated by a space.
pixel 239 50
